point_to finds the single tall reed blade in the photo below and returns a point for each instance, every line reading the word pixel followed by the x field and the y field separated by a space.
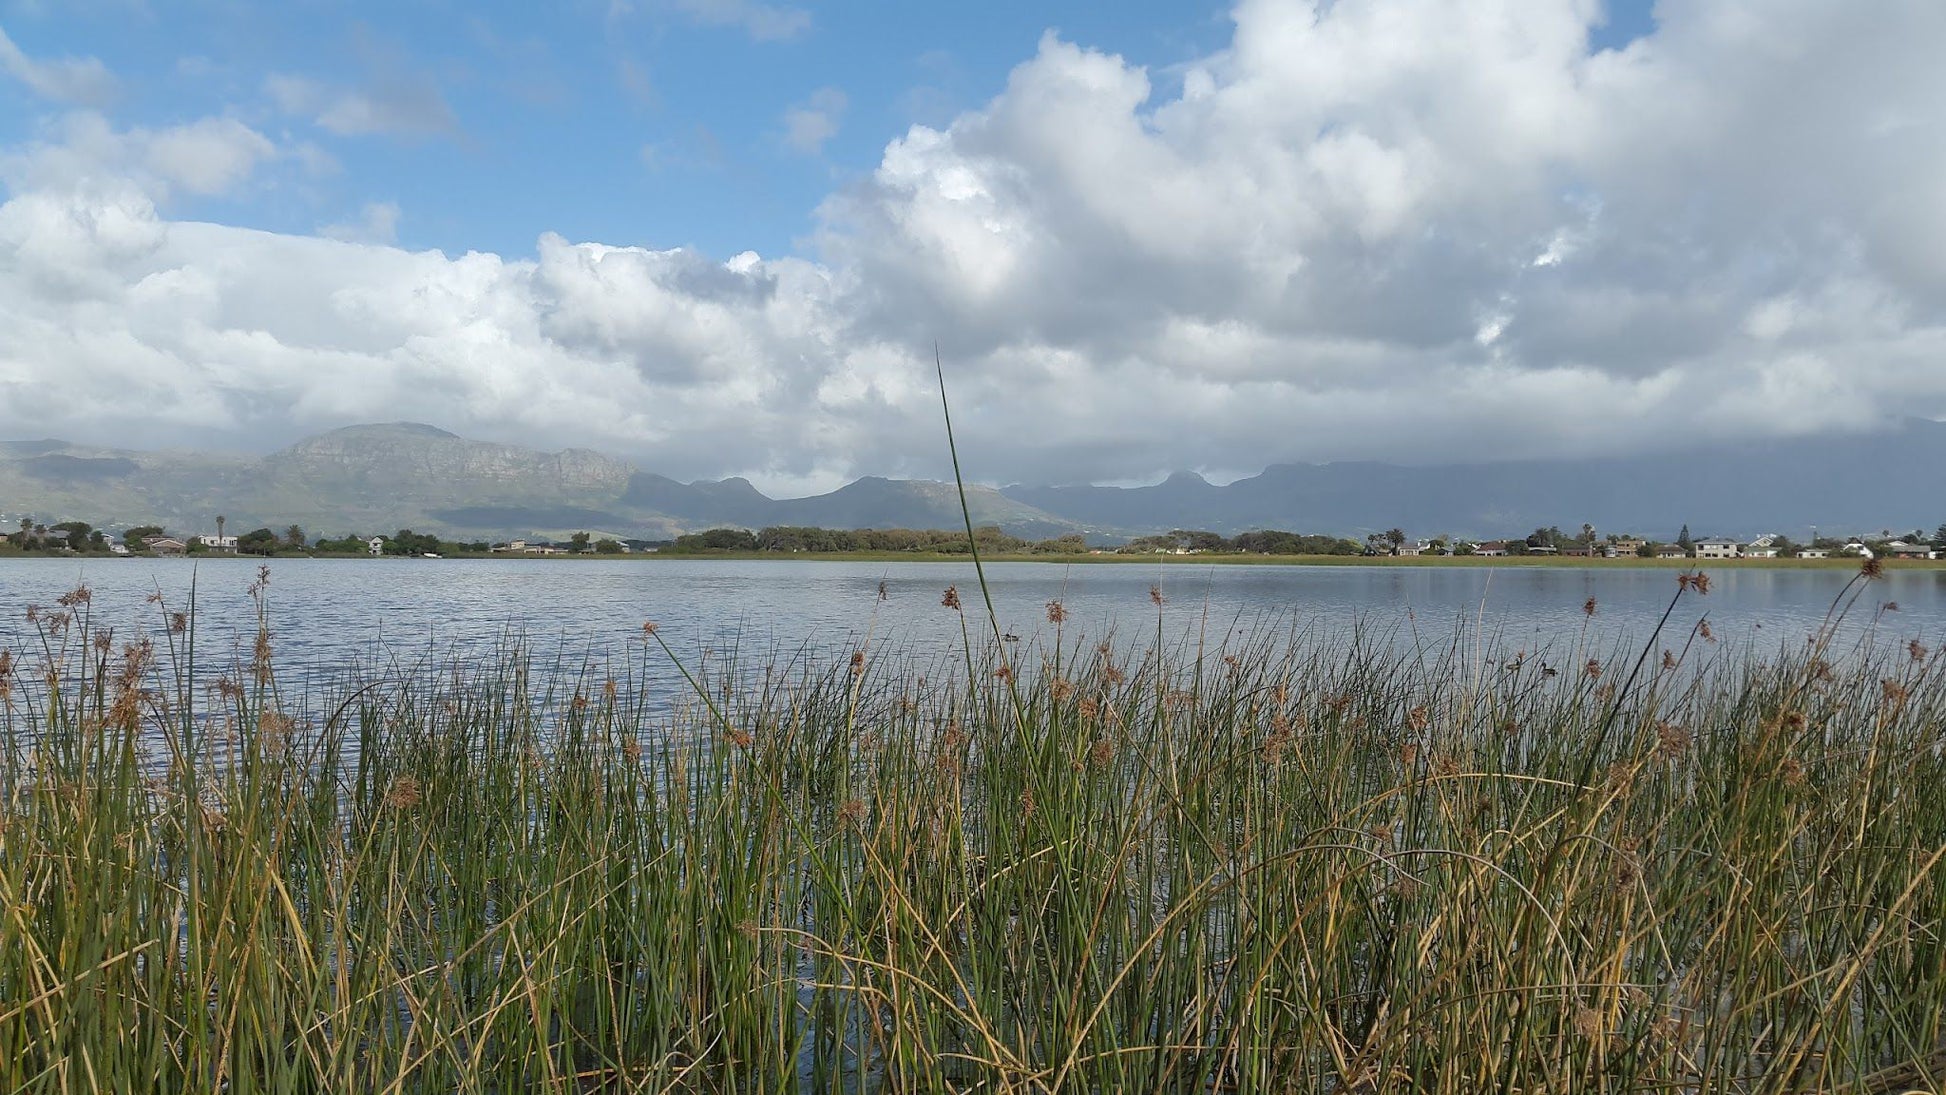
pixel 1301 861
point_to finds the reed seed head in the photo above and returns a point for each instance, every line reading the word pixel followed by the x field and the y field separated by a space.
pixel 404 793
pixel 1101 752
pixel 1587 1022
pixel 951 598
pixel 1057 613
pixel 1893 692
pixel 1671 740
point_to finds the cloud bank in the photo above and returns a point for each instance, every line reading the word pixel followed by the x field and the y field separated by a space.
pixel 1375 229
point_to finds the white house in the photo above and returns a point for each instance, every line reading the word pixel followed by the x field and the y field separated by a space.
pixel 376 545
pixel 1717 548
pixel 217 543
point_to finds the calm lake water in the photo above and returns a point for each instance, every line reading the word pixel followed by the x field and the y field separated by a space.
pixel 328 615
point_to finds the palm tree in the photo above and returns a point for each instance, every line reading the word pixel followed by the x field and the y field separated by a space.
pixel 294 536
pixel 219 531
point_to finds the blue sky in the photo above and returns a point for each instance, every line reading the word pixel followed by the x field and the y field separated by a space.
pixel 660 123
pixel 721 237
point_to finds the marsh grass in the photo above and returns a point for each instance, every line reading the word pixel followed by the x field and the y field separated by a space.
pixel 1295 862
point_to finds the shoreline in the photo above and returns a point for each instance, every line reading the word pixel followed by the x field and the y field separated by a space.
pixel 1462 561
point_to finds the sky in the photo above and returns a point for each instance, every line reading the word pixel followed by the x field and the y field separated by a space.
pixel 723 237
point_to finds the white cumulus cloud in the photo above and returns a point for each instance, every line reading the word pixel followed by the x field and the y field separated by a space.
pixel 81 80
pixel 1398 229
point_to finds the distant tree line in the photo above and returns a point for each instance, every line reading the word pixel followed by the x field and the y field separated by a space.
pixel 796 538
pixel 1259 542
pixel 990 538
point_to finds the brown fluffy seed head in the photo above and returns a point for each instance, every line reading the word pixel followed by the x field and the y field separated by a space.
pixel 857 662
pixel 1587 1022
pixel 1592 669
pixel 1057 613
pixel 1101 752
pixel 1155 595
pixel 1671 740
pixel 403 794
pixel 951 598
pixel 1588 607
pixel 1417 718
pixel 1917 649
pixel 1873 567
pixel 1668 660
pixel 649 627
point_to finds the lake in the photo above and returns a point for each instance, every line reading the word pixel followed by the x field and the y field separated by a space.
pixel 328 614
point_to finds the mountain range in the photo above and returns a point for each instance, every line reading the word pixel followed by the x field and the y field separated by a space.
pixel 378 478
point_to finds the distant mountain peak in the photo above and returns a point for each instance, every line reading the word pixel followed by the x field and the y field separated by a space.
pixel 1185 479
pixel 407 429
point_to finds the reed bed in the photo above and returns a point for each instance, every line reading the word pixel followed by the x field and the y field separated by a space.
pixel 1307 863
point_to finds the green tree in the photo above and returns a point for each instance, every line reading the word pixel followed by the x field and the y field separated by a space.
pixel 77 534
pixel 294 536
pixel 1682 539
pixel 579 543
pixel 136 538
pixel 606 546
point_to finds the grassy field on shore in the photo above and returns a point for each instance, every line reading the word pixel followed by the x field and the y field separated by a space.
pixel 1291 864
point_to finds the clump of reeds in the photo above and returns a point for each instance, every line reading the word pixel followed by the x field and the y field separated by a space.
pixel 1297 863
